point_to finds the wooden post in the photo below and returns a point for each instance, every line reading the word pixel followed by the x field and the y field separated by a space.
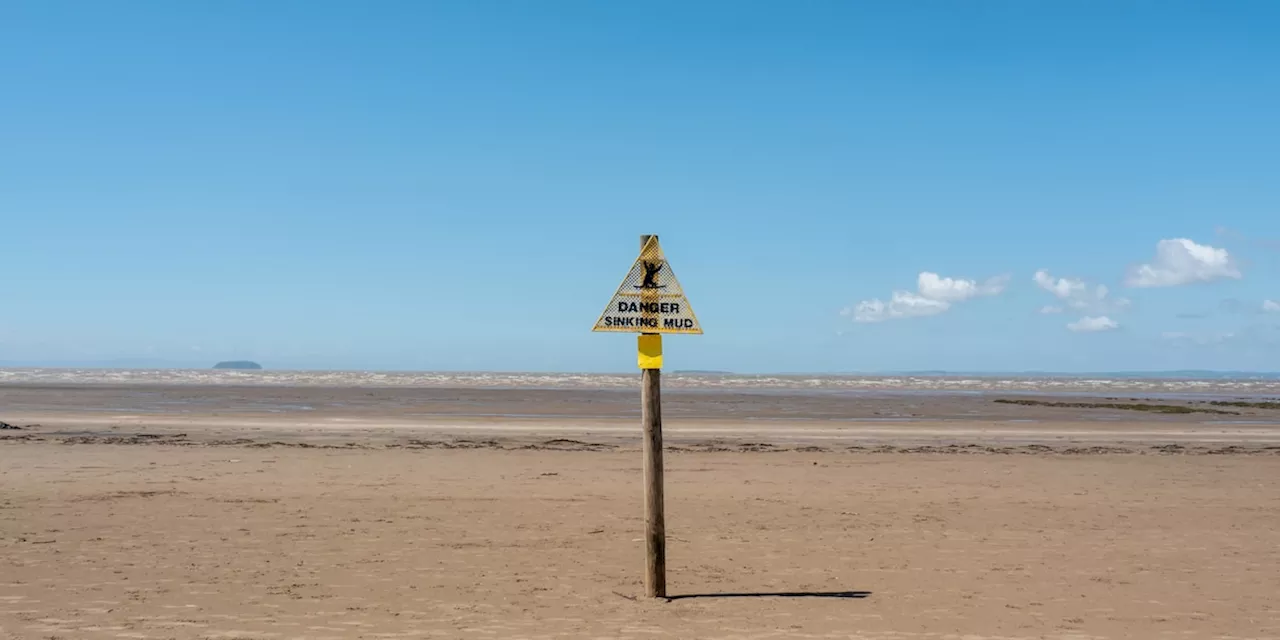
pixel 655 526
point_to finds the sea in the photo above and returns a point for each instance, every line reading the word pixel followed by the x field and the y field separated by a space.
pixel 1168 385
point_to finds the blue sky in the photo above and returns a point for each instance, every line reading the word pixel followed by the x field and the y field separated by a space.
pixel 460 185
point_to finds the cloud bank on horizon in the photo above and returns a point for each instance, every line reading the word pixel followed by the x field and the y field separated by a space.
pixel 1177 262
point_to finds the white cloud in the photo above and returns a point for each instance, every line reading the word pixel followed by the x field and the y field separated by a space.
pixel 936 295
pixel 903 304
pixel 1180 261
pixel 1063 288
pixel 1091 323
pixel 935 287
pixel 1271 306
pixel 1077 294
pixel 1050 309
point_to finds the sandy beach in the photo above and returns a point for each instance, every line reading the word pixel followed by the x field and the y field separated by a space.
pixel 493 320
pixel 242 512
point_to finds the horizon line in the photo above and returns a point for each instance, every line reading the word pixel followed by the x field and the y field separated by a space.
pixel 119 366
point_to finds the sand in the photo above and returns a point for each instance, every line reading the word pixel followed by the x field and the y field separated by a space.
pixel 350 523
pixel 107 541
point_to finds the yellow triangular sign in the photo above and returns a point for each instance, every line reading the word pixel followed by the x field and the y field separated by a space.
pixel 650 299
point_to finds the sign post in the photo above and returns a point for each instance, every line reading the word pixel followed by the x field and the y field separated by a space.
pixel 650 302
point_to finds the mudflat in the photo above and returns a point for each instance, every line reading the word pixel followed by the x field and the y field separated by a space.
pixel 606 418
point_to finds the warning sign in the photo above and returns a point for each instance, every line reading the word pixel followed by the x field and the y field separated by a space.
pixel 650 299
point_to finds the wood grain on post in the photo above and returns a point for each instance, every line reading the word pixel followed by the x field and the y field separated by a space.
pixel 655 526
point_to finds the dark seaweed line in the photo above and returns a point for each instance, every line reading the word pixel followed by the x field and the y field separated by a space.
pixel 1151 408
pixel 1251 405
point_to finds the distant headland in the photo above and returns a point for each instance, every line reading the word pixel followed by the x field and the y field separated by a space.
pixel 238 364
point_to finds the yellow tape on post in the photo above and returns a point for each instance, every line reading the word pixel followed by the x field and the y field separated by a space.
pixel 650 356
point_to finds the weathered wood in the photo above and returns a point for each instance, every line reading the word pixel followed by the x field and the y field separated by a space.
pixel 655 526
pixel 655 521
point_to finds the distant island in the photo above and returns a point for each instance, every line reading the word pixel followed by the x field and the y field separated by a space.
pixel 237 364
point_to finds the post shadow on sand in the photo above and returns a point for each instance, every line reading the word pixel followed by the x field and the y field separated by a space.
pixel 858 595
